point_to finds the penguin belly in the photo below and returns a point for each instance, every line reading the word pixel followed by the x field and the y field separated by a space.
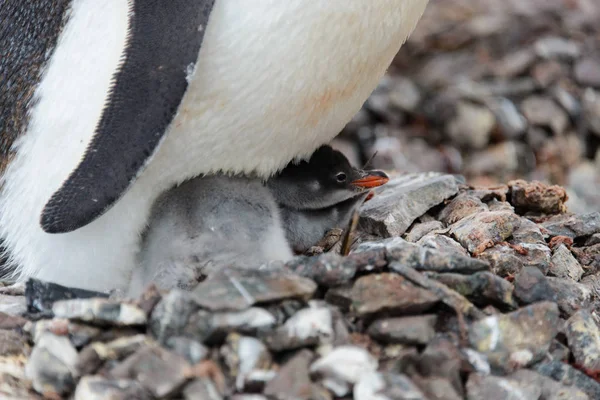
pixel 273 81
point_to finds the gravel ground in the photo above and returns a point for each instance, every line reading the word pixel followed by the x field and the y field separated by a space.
pixel 479 281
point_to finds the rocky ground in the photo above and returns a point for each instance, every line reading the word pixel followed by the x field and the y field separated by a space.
pixel 477 287
pixel 449 292
pixel 494 90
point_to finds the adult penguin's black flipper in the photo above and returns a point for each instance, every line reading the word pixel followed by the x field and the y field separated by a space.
pixel 164 40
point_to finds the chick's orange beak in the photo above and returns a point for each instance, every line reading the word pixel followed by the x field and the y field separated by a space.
pixel 372 179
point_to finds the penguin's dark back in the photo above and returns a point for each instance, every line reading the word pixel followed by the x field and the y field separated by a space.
pixel 29 31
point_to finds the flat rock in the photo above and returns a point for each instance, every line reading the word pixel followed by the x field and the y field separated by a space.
pixel 538 197
pixel 587 72
pixel 418 330
pixel 13 305
pixel 550 389
pixel 543 111
pixel 99 388
pixel 443 244
pixel 159 371
pixel 570 296
pixel 404 199
pixel 293 380
pixel 193 351
pixel 472 125
pixel 243 355
pixel 531 286
pixel 481 387
pixel 569 376
pixel 482 288
pixel 327 269
pixel 573 226
pixel 235 289
pixel 516 339
pixel 384 386
pixel 421 229
pixel 483 230
pixel 51 366
pixel 565 265
pixel 42 295
pixel 171 315
pixel 460 207
pixel 504 260
pixel 342 368
pixel 583 334
pixel 100 311
pixel 308 327
pixel 389 293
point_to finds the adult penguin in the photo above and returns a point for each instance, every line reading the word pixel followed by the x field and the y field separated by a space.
pixel 106 104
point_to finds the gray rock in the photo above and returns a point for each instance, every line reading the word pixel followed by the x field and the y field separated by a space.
pixel 402 200
pixel 386 386
pixel 293 380
pixel 570 296
pixel 327 269
pixel 531 286
pixel 567 101
pixel 343 367
pixel 573 226
pixel 13 305
pixel 517 339
pixel 448 296
pixel 482 288
pixel 583 334
pixel 201 389
pixel 447 245
pixel 564 265
pixel 243 355
pixel 309 326
pixel 556 47
pixel 99 388
pixel 512 123
pixel 100 311
pixel 51 366
pixel 591 110
pixel 483 230
pixel 388 293
pixel 91 358
pixel 418 330
pixel 237 290
pixel 404 94
pixel 438 389
pixel 460 207
pixel 472 125
pixel 171 315
pixel 504 260
pixel 569 376
pixel 551 390
pixel 191 350
pixel 543 111
pixel 159 371
pixel 587 72
pixel 13 343
pixel 419 230
pixel 481 387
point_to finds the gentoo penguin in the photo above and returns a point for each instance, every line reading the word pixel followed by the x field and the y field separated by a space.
pixel 317 195
pixel 104 105
pixel 218 221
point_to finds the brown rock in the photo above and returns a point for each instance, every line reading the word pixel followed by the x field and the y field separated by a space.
pixel 536 196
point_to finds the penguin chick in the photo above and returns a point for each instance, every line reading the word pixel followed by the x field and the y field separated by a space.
pixel 207 223
pixel 317 195
pixel 220 221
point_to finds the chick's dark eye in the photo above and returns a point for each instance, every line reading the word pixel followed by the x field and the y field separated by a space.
pixel 341 177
